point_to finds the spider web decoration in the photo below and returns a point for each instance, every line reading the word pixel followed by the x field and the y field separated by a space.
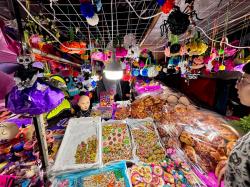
pixel 109 45
pixel 129 40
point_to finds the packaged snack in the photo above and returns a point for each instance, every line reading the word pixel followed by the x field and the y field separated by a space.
pixel 103 112
pixel 111 175
pixel 81 146
pixel 147 106
pixel 116 144
pixel 172 171
pixel 122 113
pixel 107 99
pixel 147 146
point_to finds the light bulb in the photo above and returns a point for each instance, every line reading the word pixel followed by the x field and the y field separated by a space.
pixel 113 75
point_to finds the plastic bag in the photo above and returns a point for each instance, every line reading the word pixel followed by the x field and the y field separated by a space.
pixel 83 135
pixel 111 175
pixel 147 106
pixel 38 99
pixel 146 143
pixel 205 138
pixel 116 144
pixel 103 112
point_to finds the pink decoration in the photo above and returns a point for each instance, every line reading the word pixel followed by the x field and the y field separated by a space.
pixel 229 64
pixel 9 49
pixel 239 68
pixel 141 64
pixel 34 40
pixel 147 88
pixel 121 52
pixel 100 56
pixel 6 84
pixel 209 179
pixel 6 180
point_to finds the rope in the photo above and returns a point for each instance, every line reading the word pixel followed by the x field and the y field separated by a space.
pixel 149 17
pixel 56 39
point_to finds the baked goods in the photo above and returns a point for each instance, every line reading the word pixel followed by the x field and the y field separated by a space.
pixel 147 107
pixel 147 146
pixel 86 151
pixel 122 113
pixel 116 143
pixel 183 100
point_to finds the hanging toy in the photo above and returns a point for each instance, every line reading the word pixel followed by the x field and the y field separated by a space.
pixel 129 40
pixel 135 72
pixel 87 9
pixel 161 2
pixel 144 72
pixel 80 47
pixel 98 4
pixel 93 21
pixel 167 6
pixel 26 74
pixel 178 21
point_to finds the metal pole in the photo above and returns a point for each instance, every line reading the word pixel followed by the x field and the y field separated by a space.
pixel 39 124
pixel 19 22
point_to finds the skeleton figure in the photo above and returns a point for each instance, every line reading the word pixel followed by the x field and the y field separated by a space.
pixel 26 75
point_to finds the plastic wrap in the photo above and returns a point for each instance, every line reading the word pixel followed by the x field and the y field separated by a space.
pixel 103 112
pixel 38 99
pixel 82 138
pixel 122 110
pixel 147 146
pixel 111 175
pixel 172 171
pixel 205 138
pixel 147 106
pixel 116 144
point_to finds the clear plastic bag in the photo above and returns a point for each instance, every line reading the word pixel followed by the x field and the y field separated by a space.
pixel 147 106
pixel 103 112
pixel 82 138
pixel 111 175
pixel 146 143
pixel 205 138
pixel 122 112
pixel 116 143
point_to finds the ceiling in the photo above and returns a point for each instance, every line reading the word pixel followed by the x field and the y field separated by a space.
pixel 67 15
pixel 214 13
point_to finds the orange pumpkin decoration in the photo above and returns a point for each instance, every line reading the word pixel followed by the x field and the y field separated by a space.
pixel 68 47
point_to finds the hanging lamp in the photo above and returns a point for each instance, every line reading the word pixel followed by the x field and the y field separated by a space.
pixel 113 70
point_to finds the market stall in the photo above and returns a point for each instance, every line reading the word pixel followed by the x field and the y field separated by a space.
pixel 97 99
